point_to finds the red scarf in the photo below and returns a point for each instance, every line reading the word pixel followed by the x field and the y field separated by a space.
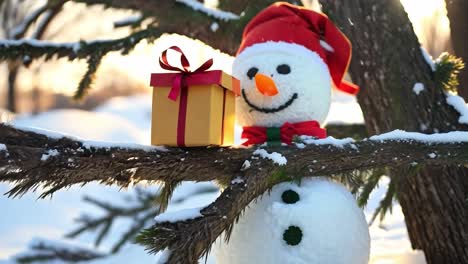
pixel 284 134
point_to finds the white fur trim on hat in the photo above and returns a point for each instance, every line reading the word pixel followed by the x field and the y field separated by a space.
pixel 277 46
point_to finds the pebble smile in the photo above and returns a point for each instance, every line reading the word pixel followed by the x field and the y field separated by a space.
pixel 269 110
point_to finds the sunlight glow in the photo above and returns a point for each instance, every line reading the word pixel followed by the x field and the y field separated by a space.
pixel 422 8
pixel 430 23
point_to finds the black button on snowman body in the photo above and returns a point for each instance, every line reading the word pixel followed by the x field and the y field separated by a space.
pixel 293 235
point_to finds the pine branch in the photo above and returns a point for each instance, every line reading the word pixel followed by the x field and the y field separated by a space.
pixel 20 30
pixel 88 78
pixel 49 16
pixel 29 159
pixel 160 9
pixel 447 69
pixel 140 208
pixel 34 49
pixel 93 51
pixel 32 159
pixel 188 22
pixel 385 204
pixel 141 211
pixel 369 184
pixel 46 252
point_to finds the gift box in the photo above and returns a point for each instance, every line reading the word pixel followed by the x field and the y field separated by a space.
pixel 192 108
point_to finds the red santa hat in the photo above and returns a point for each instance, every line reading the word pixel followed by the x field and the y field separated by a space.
pixel 286 23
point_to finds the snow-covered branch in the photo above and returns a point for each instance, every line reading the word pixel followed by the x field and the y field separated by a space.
pixel 129 21
pixel 93 51
pixel 17 49
pixel 20 30
pixel 49 16
pixel 216 13
pixel 32 158
pixel 48 251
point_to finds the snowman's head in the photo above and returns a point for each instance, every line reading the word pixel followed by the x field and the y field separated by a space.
pixel 281 82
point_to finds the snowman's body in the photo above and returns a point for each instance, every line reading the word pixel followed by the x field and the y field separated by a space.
pixel 287 63
pixel 332 227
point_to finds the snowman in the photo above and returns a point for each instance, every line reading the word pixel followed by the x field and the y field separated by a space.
pixel 289 60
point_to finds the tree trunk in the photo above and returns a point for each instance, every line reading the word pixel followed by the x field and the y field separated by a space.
pixel 457 11
pixel 434 203
pixel 387 63
pixel 11 94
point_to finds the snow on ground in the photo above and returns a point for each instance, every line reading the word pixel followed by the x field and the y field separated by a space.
pixel 135 109
pixel 344 109
pixel 390 243
pixel 87 125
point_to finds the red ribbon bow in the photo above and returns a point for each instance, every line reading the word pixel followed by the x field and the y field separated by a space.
pixel 260 135
pixel 178 82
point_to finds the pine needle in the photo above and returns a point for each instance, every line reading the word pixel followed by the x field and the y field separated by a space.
pixel 447 69
pixel 88 78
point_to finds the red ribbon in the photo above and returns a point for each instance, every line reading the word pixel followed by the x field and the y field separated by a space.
pixel 180 87
pixel 258 135
pixel 178 83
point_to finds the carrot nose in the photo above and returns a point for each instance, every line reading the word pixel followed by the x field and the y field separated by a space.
pixel 265 85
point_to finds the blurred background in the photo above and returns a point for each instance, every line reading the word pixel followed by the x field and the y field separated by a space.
pixel 44 86
pixel 118 108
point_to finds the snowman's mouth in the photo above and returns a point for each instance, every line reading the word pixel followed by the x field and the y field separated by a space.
pixel 269 110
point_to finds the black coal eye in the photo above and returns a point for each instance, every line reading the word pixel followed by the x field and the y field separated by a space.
pixel 251 73
pixel 292 235
pixel 283 69
pixel 290 197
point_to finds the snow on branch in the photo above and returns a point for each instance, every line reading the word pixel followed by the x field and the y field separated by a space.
pixel 49 16
pixel 218 14
pixel 460 105
pixel 79 162
pixel 20 30
pixel 129 21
